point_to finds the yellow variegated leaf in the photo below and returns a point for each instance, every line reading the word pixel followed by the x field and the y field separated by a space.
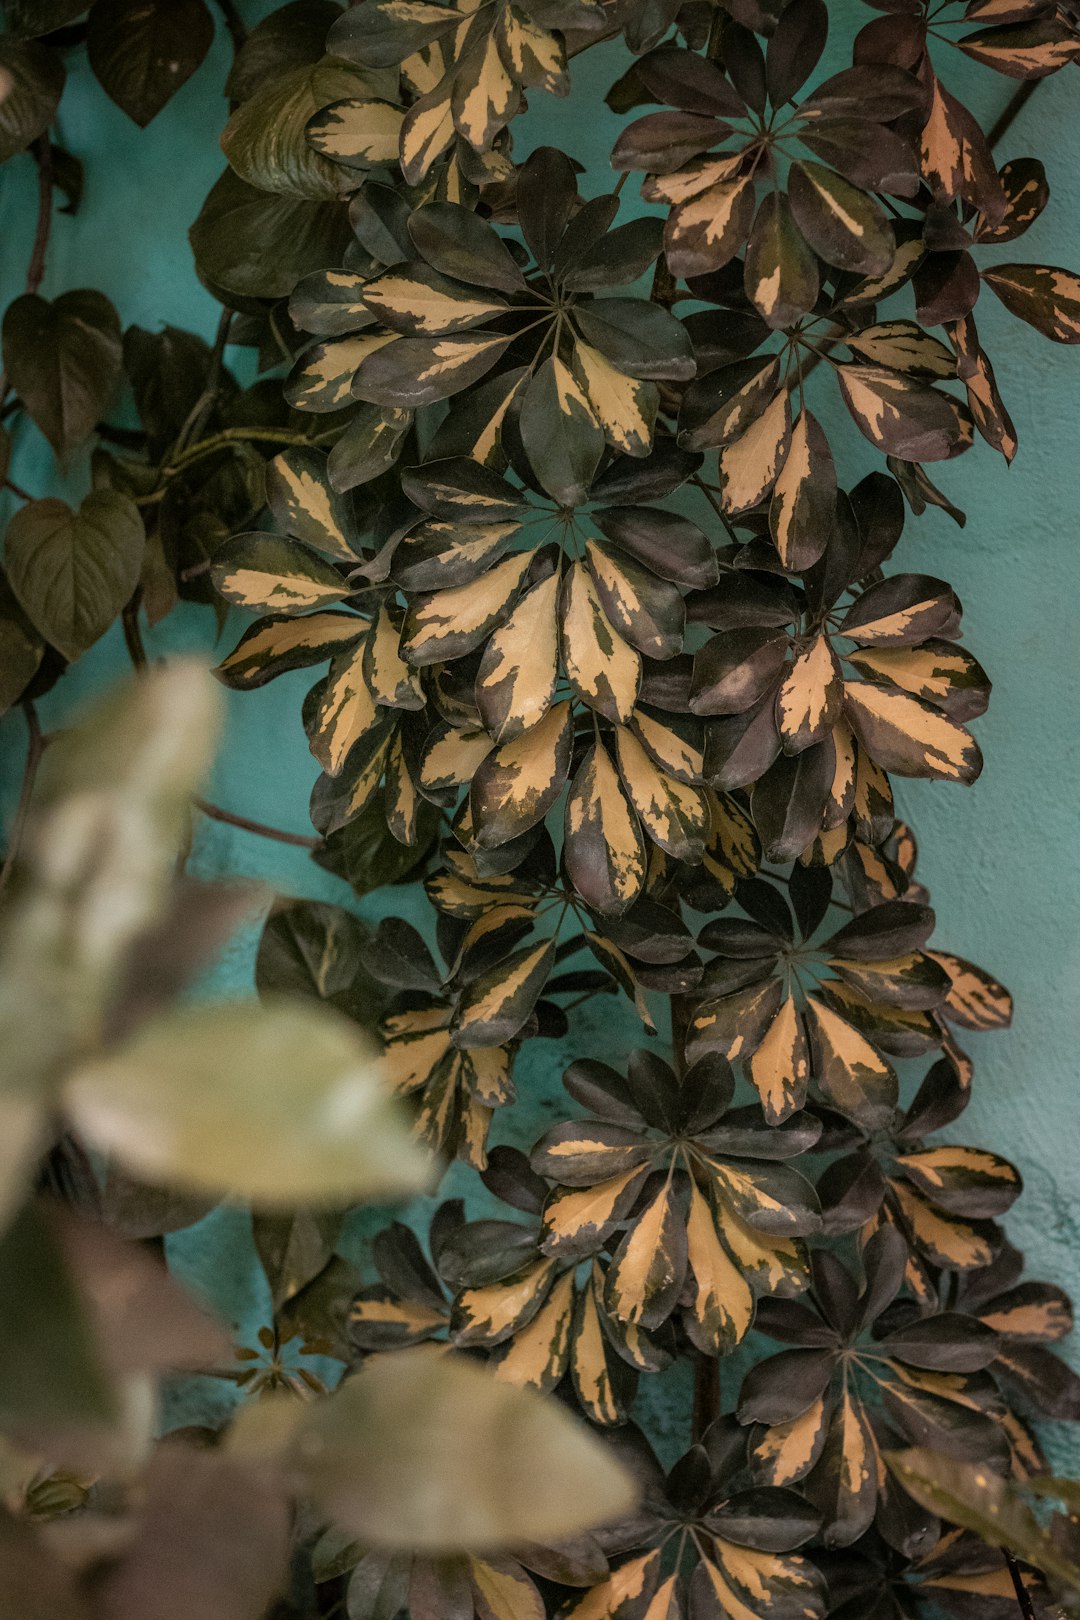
pixel 647 612
pixel 674 814
pixel 400 1317
pixel 532 55
pixel 842 789
pixel 774 1265
pixel 809 701
pixel 439 553
pixel 493 1008
pixel 603 669
pixel 322 378
pixel 346 711
pixel 850 1073
pixel 906 735
pixel 425 69
pixel 503 1591
pixel 676 754
pixel 903 346
pixel 850 1469
pixel 578 1219
pixel 691 180
pixel 769 1581
pixel 933 672
pixel 485 97
pixel 472 1131
pixel 491 1314
pixel 267 574
pixel 415 299
pixel 305 504
pixel 625 1589
pixel 780 1068
pixel 705 228
pixel 786 1452
pixel 1021 1316
pixel 902 415
pixel 516 681
pixel 964 1179
pixel 647 1272
pixel 603 849
pixel 486 446
pixel 624 406
pixel 732 839
pixel 872 800
pixel 460 891
pixel 389 677
pixel 665 1603
pixel 359 134
pixel 274 646
pixel 426 133
pixel 517 784
pixel 732 1025
pixel 486 1071
pixel 451 757
pixel 710 1577
pixel 401 800
pixel 416 1043
pixel 538 1356
pixel 804 497
pixel 448 624
pixel 749 466
pixel 975 1000
pixel 589 1358
pixel 721 1305
pixel 947 1240
pixel 437 1116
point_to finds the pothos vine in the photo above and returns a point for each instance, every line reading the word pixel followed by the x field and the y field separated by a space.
pixel 620 672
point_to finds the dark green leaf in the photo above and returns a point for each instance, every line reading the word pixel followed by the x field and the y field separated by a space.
pixel 73 572
pixel 63 360
pixel 142 51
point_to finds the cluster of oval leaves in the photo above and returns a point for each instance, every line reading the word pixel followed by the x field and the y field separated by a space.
pixel 609 659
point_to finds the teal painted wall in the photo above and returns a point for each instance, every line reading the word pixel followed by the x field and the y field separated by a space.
pixel 1002 859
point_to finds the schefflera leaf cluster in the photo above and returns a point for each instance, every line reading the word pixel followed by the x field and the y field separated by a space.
pixel 608 658
pixel 623 671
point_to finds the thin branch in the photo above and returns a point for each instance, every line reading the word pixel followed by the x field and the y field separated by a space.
pixel 240 435
pixel 706 1393
pixel 129 622
pixel 216 813
pixel 35 274
pixel 1012 111
pixel 1023 1596
pixel 35 270
pixel 234 23
pixel 34 749
pixel 197 416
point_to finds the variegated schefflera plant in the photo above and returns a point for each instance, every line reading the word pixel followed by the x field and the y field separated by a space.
pixel 610 657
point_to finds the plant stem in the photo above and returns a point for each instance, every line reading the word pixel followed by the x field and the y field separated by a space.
pixel 1012 111
pixel 35 270
pixel 1023 1596
pixel 35 274
pixel 234 23
pixel 35 748
pixel 216 813
pixel 196 418
pixel 706 1393
pixel 249 435
pixel 129 622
